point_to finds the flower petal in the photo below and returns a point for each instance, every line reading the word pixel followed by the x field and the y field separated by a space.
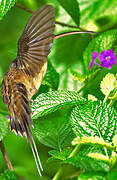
pixel 94 56
pixel 107 58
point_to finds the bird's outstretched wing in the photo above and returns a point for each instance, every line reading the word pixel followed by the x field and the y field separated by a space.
pixel 36 40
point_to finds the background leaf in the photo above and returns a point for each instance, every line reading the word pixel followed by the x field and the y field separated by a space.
pixel 5 6
pixel 67 52
pixel 112 174
pixel 52 77
pixel 3 126
pixel 1 75
pixel 72 7
pixel 97 15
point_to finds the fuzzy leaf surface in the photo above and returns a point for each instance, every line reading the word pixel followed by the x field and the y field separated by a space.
pixel 95 119
pixel 49 102
pixel 5 6
pixel 54 130
pixel 83 161
pixel 108 83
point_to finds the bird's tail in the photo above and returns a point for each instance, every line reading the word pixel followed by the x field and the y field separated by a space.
pixel 21 119
pixel 35 153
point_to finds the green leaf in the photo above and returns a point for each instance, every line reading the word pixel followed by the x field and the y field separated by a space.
pixel 52 77
pixel 104 41
pixel 60 155
pixel 108 84
pixel 3 108
pixel 54 130
pixel 94 119
pixel 83 161
pixel 72 8
pixel 9 175
pixel 77 75
pixel 112 175
pixel 91 176
pixel 93 141
pixel 1 76
pixel 92 98
pixel 99 156
pixel 67 52
pixel 3 126
pixel 67 82
pixel 49 102
pixel 115 140
pixel 5 6
pixel 91 14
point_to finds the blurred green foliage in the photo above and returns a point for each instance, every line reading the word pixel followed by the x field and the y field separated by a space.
pixel 56 122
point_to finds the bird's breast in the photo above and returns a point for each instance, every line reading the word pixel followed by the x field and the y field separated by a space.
pixel 37 80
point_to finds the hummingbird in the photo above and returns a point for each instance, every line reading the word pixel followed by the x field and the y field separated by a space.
pixel 26 72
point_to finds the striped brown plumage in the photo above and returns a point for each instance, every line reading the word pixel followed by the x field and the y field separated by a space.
pixel 26 72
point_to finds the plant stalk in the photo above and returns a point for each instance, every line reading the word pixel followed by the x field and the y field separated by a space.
pixel 61 169
pixel 9 165
pixel 58 174
pixel 106 97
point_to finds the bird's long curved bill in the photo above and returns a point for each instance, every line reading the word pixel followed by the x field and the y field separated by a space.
pixel 73 32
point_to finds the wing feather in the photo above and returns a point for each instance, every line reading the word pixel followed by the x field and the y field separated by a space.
pixel 36 40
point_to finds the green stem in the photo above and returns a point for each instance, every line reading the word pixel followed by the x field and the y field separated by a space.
pixel 106 97
pixel 59 173
pixel 76 149
pixel 106 152
pixel 112 101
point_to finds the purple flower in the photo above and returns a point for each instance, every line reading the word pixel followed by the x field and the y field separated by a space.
pixel 107 58
pixel 8 117
pixel 94 56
